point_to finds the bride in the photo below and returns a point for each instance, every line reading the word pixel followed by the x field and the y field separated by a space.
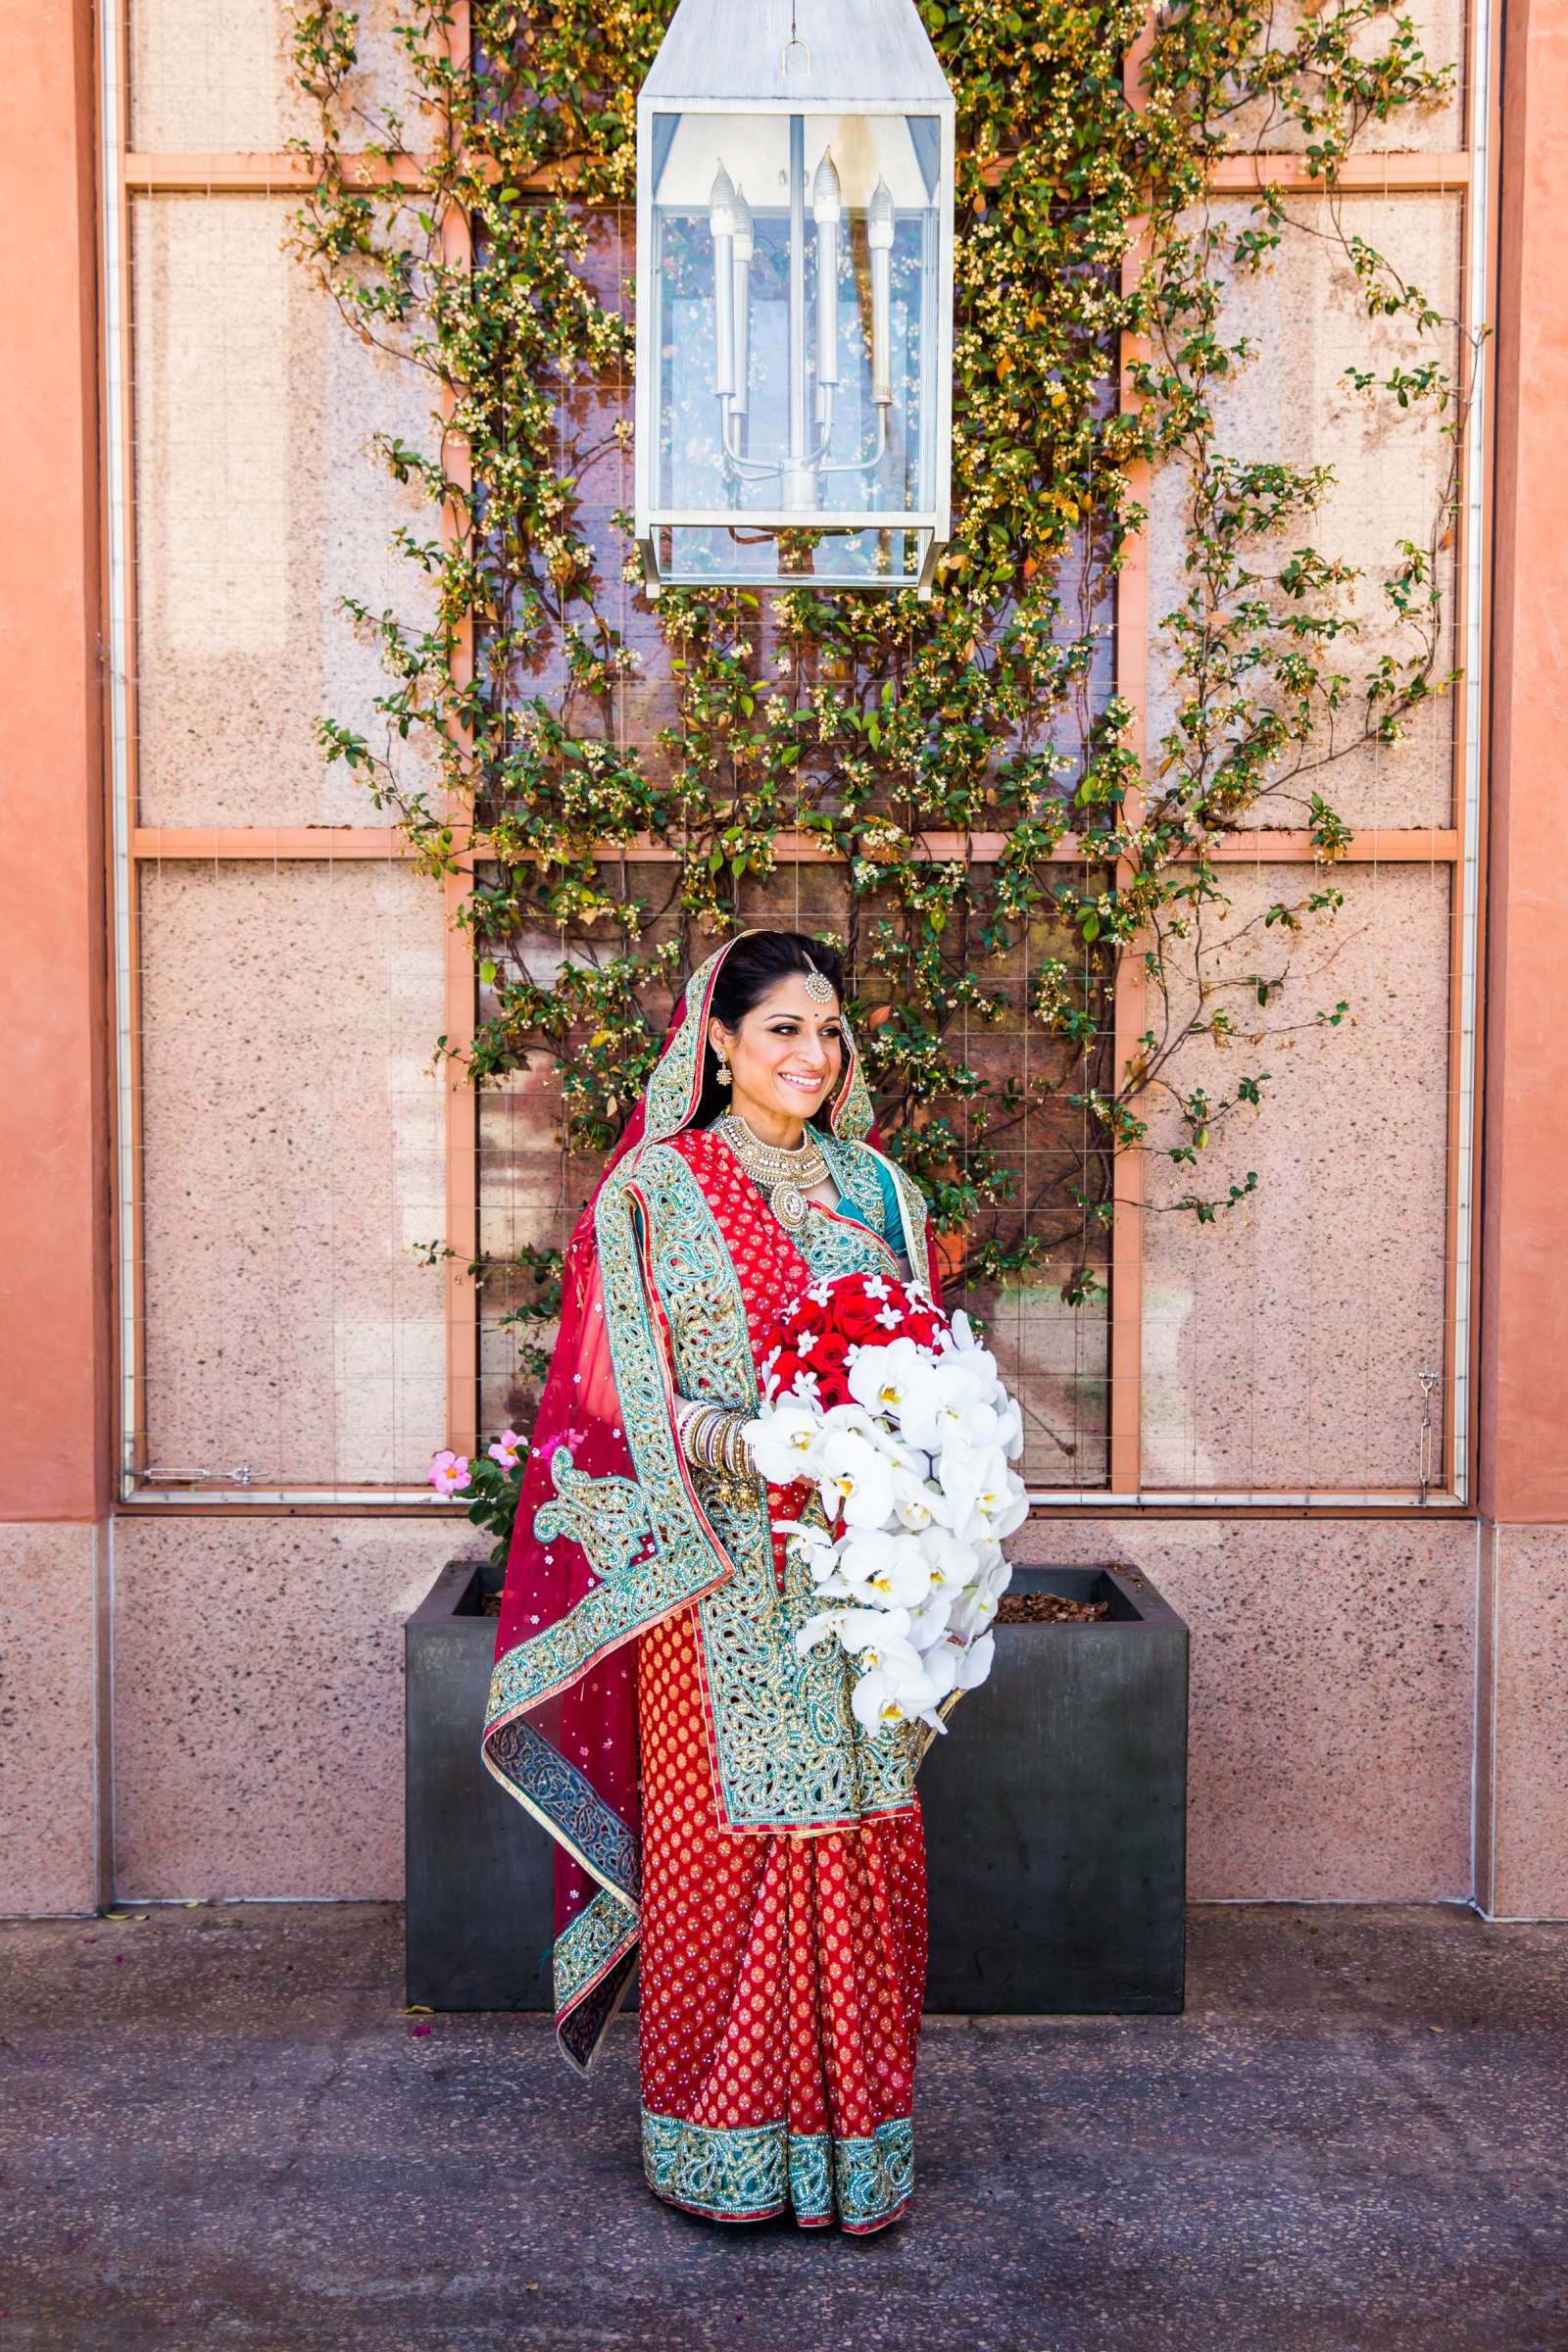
pixel 710 1792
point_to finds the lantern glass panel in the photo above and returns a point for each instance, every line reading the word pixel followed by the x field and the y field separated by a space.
pixel 795 276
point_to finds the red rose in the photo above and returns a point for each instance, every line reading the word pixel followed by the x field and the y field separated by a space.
pixel 856 1320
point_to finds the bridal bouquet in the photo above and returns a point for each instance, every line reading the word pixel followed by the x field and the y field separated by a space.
pixel 896 1415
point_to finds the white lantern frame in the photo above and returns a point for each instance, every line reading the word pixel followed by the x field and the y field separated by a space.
pixel 782 65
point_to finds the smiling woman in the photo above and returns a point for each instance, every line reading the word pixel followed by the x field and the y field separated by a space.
pixel 714 1796
pixel 776 1039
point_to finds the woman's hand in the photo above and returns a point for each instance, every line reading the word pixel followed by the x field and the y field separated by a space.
pixel 711 1437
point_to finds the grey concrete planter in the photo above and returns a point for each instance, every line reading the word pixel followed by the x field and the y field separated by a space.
pixel 1056 1817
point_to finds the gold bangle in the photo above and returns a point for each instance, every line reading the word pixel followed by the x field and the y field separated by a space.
pixel 695 1423
pixel 708 1436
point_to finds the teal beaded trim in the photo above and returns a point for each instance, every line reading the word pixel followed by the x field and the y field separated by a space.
pixel 747 2173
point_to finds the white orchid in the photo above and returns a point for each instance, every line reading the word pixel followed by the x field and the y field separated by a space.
pixel 965 1471
pixel 898 1689
pixel 952 1405
pixel 879 1433
pixel 884 1571
pixel 785 1442
pixel 966 1345
pixel 951 1561
pixel 856 1479
pixel 972 1612
pixel 916 1503
pixel 867 1634
pixel 929 1622
pixel 973 1662
pixel 885 1379
pixel 1010 1429
pixel 816 1553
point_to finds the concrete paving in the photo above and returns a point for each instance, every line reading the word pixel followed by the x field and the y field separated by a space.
pixel 220 2130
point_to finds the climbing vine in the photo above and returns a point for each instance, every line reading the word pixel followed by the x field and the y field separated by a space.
pixel 983 837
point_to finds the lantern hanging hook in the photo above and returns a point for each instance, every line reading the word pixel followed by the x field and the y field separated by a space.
pixel 792 43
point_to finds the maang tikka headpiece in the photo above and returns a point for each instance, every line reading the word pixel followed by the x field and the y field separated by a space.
pixel 818 987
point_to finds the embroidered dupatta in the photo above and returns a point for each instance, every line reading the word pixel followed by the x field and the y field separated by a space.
pixel 671 1275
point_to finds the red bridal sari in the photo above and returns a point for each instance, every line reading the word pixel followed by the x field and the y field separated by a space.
pixel 708 1788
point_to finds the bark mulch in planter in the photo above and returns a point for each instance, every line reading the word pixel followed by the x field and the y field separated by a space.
pixel 1048 1608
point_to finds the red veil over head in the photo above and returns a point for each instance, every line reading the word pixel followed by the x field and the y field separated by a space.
pixel 560 1728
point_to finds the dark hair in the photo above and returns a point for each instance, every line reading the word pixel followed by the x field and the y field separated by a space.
pixel 754 965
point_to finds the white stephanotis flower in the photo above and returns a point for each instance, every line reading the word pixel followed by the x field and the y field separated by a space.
pixel 785 1442
pixel 856 1479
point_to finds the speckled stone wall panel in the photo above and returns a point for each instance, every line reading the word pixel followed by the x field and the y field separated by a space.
pixel 214 76
pixel 259 1702
pixel 48 1733
pixel 1282 1343
pixel 1291 403
pixel 1440 28
pixel 293 1156
pixel 1526 1816
pixel 1333 1698
pixel 258 505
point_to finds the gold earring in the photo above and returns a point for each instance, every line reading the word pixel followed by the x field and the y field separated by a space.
pixel 722 1073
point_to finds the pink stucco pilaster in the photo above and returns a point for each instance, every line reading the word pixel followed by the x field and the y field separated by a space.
pixel 54 1226
pixel 1522 1845
pixel 54 1322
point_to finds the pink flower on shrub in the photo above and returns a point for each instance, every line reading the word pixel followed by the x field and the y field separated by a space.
pixel 449 1472
pixel 506 1450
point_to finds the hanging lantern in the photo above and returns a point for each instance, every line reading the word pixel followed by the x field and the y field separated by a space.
pixel 794 297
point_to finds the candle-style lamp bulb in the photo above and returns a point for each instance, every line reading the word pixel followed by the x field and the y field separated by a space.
pixel 742 250
pixel 722 222
pixel 827 211
pixel 879 228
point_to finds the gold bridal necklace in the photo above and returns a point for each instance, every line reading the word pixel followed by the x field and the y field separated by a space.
pixel 786 1176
